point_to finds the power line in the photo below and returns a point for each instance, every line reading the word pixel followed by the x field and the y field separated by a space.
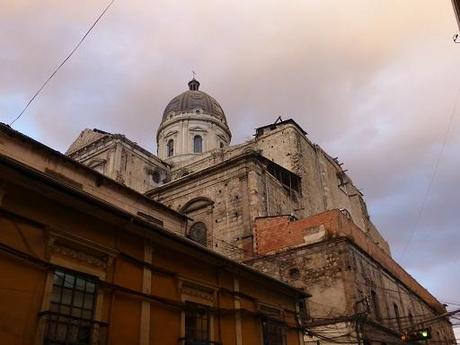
pixel 453 303
pixel 62 63
pixel 433 175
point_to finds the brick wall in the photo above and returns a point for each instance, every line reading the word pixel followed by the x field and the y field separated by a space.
pixel 275 234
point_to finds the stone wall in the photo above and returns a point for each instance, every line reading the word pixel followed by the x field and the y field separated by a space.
pixel 346 273
pixel 228 216
pixel 123 161
pixel 325 185
pixel 372 280
pixel 240 190
pixel 317 269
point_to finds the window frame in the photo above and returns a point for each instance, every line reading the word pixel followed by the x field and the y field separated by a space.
pixel 197 334
pixel 376 306
pixel 203 241
pixel 201 294
pixel 60 314
pixel 397 316
pixel 268 326
pixel 170 148
pixel 197 143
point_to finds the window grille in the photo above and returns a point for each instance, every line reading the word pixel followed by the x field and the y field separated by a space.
pixel 274 333
pixel 70 318
pixel 196 324
pixel 289 180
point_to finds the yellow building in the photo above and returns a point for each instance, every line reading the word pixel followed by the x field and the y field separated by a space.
pixel 86 260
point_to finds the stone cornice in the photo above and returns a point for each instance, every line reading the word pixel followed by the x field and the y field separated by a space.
pixel 197 117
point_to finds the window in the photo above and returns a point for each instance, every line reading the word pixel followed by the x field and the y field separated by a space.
pixel 303 312
pixel 71 310
pixel 156 177
pixel 197 144
pixel 196 324
pixel 294 273
pixel 221 145
pixel 376 306
pixel 170 148
pixel 289 180
pixel 274 333
pixel 199 233
pixel 342 181
pixel 411 319
pixel 398 318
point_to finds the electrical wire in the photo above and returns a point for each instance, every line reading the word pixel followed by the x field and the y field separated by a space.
pixel 432 178
pixel 453 303
pixel 62 63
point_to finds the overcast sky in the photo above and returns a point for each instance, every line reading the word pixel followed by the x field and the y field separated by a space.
pixel 374 82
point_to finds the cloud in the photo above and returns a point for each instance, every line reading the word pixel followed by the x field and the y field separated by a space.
pixel 373 82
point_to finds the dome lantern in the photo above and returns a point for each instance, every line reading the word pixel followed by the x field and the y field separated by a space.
pixel 194 85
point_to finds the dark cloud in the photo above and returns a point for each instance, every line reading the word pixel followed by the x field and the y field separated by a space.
pixel 373 82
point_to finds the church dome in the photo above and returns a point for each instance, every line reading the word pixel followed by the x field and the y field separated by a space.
pixel 193 123
pixel 194 101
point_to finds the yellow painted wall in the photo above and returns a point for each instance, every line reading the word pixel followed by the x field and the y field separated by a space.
pixel 22 282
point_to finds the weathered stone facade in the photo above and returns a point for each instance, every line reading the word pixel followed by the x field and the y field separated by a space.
pixel 286 174
pixel 279 175
pixel 120 159
pixel 346 274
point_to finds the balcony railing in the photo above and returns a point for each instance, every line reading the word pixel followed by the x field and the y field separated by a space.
pixel 63 329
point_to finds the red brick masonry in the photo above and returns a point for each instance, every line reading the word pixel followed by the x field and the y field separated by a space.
pixel 275 234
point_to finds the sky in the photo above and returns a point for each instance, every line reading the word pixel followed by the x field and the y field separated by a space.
pixel 373 82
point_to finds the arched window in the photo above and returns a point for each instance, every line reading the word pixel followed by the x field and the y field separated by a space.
pixel 197 144
pixel 199 233
pixel 170 148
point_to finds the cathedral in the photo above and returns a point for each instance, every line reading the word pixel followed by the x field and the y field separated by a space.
pixel 279 204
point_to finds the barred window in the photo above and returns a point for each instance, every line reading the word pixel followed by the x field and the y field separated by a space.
pixel 71 311
pixel 290 181
pixel 196 324
pixel 274 333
